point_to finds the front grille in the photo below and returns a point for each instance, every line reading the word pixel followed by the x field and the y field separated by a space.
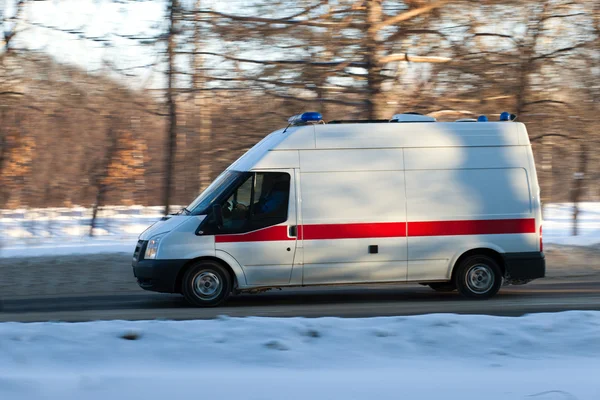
pixel 138 253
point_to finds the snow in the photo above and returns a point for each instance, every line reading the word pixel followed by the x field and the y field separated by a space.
pixel 62 231
pixel 546 356
pixel 82 246
pixel 558 224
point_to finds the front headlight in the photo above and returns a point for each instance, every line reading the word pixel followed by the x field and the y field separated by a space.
pixel 152 248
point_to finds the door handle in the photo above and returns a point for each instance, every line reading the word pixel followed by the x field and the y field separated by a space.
pixel 293 230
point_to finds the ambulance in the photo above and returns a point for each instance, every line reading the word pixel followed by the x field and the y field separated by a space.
pixel 449 205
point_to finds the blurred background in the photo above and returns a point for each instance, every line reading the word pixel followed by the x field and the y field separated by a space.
pixel 108 107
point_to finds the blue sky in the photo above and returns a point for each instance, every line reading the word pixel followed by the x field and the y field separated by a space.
pixel 103 18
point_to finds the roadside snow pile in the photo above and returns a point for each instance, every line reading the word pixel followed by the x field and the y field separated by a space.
pixel 549 356
pixel 62 231
pixel 558 224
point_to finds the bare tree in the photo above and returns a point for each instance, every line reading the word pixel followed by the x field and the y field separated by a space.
pixel 173 9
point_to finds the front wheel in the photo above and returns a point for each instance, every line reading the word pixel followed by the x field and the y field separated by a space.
pixel 206 284
pixel 478 277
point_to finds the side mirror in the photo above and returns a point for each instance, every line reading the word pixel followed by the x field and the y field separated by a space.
pixel 218 213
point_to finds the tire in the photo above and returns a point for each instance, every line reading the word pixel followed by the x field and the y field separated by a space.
pixel 443 286
pixel 206 284
pixel 478 277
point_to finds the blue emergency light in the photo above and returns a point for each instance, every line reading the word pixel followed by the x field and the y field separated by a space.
pixel 505 116
pixel 482 118
pixel 304 118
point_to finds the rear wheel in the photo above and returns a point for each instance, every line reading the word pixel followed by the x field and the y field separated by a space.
pixel 443 286
pixel 206 284
pixel 478 277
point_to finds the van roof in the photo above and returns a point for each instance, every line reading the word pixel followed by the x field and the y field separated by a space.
pixel 398 135
pixel 372 135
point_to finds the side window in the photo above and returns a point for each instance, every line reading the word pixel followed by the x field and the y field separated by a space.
pixel 260 201
pixel 236 208
pixel 271 199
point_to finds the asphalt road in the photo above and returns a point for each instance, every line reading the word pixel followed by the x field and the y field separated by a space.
pixel 348 301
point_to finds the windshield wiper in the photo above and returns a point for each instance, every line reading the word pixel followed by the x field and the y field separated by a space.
pixel 184 210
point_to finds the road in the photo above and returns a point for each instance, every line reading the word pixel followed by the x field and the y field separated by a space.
pixel 348 301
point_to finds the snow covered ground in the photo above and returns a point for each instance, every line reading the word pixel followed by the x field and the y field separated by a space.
pixel 542 356
pixel 558 224
pixel 61 231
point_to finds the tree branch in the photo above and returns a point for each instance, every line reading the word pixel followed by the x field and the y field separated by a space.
pixel 410 14
pixel 416 59
pixel 557 52
pixel 280 62
pixel 545 101
pixel 536 138
pixel 316 100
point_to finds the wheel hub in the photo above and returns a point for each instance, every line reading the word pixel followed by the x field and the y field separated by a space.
pixel 480 279
pixel 207 285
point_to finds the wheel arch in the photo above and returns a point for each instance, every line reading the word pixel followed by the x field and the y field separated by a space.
pixel 486 251
pixel 188 265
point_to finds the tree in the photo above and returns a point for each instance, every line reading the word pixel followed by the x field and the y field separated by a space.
pixel 173 10
pixel 356 61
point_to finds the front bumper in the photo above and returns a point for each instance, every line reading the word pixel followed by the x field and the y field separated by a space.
pixel 156 275
pixel 525 266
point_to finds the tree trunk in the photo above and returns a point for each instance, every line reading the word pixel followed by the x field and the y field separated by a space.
pixel 100 181
pixel 372 53
pixel 202 103
pixel 578 185
pixel 546 148
pixel 172 110
pixel 3 142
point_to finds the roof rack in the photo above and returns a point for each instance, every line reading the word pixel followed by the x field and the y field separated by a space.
pixel 315 117
pixel 358 121
pixel 405 117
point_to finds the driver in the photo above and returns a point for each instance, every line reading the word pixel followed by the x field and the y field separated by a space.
pixel 274 199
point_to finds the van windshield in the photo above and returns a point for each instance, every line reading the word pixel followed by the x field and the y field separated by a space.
pixel 219 186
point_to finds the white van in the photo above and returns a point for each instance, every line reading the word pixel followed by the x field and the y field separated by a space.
pixel 452 205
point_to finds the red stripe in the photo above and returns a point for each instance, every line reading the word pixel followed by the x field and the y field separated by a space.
pixel 386 230
pixel 353 231
pixel 471 227
pixel 273 233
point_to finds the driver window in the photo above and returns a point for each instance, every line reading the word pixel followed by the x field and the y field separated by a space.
pixel 237 207
pixel 261 201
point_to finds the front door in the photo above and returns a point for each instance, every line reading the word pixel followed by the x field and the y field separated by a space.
pixel 259 227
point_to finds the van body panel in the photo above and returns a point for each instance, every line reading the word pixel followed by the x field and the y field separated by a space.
pixel 278 159
pixel 355 272
pixel 343 213
pixel 183 243
pixel 458 194
pixel 398 135
pixel 339 160
pixel 164 226
pixel 353 196
pixel 466 157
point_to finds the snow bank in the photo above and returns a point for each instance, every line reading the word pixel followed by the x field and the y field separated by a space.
pixel 549 356
pixel 558 224
pixel 83 246
pixel 62 231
